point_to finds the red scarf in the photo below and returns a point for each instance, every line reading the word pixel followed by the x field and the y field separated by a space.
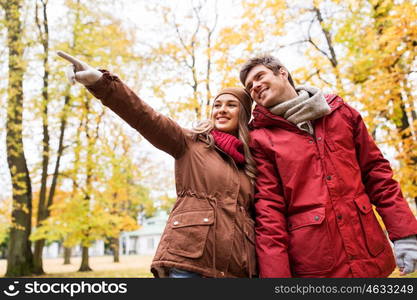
pixel 230 145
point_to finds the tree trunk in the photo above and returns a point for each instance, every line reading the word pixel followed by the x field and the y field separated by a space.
pixel 88 182
pixel 116 251
pixel 67 256
pixel 20 258
pixel 85 267
pixel 43 211
pixel 37 257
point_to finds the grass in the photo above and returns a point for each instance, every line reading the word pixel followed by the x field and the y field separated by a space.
pixel 396 274
pixel 125 273
pixel 133 266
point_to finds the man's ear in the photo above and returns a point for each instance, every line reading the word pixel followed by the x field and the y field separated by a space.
pixel 283 73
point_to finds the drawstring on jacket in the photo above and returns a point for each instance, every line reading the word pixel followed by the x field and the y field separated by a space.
pixel 247 253
pixel 214 233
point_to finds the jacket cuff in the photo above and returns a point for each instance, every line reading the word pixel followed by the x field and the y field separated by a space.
pixel 404 237
pixel 102 87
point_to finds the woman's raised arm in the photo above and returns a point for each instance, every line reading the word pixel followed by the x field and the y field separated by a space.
pixel 159 130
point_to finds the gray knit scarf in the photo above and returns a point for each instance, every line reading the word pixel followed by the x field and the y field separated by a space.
pixel 309 105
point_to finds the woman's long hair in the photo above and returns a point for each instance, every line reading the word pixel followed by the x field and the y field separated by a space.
pixel 202 130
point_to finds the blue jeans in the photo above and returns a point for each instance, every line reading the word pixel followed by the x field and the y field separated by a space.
pixel 178 273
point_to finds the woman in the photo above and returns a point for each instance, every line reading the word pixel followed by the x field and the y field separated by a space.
pixel 210 231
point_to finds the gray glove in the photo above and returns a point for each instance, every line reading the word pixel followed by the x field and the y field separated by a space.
pixel 80 71
pixel 406 254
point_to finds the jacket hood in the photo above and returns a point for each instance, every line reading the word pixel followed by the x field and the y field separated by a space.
pixel 262 117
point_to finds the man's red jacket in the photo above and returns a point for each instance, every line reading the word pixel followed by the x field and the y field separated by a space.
pixel 314 198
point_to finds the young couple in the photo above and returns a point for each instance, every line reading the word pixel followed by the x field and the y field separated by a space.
pixel 288 195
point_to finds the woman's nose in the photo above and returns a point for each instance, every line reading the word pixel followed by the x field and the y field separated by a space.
pixel 222 108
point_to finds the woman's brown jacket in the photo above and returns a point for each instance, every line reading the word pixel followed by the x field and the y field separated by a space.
pixel 210 229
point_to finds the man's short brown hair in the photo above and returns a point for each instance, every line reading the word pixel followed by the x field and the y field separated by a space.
pixel 268 61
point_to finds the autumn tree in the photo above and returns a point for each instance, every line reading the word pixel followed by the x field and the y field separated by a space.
pixel 91 29
pixel 361 50
pixel 124 197
pixel 5 222
pixel 381 38
pixel 20 258
pixel 44 201
pixel 113 206
pixel 186 54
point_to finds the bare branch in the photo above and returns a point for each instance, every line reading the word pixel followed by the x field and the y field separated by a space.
pixel 208 70
pixel 310 76
pixel 180 37
pixel 37 22
pixel 215 19
pixel 99 119
pixel 197 29
pixel 322 79
pixel 318 48
pixel 310 39
pixel 326 33
pixel 310 26
pixel 293 44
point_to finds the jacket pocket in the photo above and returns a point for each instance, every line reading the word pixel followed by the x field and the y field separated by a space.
pixel 189 231
pixel 309 243
pixel 374 237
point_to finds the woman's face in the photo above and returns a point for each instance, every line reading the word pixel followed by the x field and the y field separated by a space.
pixel 225 113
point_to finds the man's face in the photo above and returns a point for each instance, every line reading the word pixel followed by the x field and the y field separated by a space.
pixel 266 88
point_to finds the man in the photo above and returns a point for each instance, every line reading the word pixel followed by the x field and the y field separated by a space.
pixel 319 173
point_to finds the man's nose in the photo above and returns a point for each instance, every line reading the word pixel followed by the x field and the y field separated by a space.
pixel 256 86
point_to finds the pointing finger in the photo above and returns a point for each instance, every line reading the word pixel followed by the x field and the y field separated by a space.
pixel 70 58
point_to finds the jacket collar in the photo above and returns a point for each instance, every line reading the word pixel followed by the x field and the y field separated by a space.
pixel 262 117
pixel 201 139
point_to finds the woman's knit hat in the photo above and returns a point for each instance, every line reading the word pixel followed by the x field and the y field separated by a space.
pixel 241 94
